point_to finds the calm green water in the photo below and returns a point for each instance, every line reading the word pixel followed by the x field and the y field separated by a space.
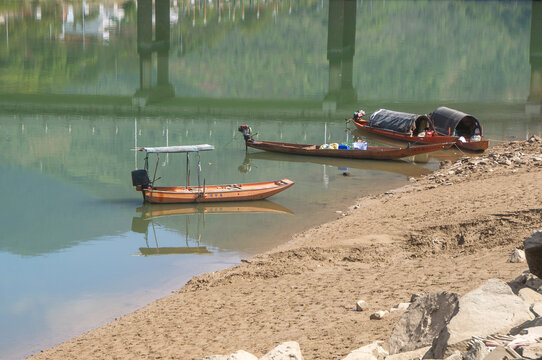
pixel 82 83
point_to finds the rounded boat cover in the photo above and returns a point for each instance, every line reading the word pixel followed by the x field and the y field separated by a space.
pixel 446 120
pixel 396 121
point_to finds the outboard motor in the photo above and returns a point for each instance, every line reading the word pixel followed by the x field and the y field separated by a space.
pixel 246 131
pixel 140 178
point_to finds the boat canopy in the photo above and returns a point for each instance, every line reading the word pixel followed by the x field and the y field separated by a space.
pixel 399 122
pixel 177 149
pixel 453 122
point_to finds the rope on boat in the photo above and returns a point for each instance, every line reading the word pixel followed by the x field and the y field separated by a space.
pixel 457 147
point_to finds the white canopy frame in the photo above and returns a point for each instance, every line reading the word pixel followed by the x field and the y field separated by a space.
pixel 176 149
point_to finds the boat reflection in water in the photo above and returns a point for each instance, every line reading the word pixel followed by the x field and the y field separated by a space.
pixel 150 216
pixel 405 168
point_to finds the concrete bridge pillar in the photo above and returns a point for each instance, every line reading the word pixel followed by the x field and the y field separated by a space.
pixel 146 46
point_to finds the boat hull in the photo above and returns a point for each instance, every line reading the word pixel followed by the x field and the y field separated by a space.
pixel 372 153
pixel 214 193
pixel 474 146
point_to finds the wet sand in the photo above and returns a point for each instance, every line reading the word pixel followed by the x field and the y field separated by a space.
pixel 450 230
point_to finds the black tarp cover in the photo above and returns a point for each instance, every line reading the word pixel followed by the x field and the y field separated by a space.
pixel 399 122
pixel 446 120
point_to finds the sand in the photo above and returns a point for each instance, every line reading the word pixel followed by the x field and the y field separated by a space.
pixel 450 230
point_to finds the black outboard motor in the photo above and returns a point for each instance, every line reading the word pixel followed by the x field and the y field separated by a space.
pixel 140 178
pixel 246 131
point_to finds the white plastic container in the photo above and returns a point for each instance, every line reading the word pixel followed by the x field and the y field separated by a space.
pixel 360 145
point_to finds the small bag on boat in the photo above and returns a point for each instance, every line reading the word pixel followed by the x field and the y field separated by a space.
pixel 359 145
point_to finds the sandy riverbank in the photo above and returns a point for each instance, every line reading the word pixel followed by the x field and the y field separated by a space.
pixel 450 230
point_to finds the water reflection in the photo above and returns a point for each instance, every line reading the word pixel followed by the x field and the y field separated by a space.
pixel 332 64
pixel 198 62
pixel 341 47
pixel 141 225
pixel 405 168
pixel 149 43
pixel 151 215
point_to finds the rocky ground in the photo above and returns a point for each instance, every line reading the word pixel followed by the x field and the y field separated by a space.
pixel 449 231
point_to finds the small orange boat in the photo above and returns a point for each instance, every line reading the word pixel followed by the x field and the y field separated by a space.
pixel 199 194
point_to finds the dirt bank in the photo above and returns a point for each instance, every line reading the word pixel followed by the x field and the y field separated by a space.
pixel 450 230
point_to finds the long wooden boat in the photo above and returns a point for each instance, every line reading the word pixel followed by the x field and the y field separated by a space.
pixel 372 152
pixel 213 193
pixel 198 194
pixel 411 128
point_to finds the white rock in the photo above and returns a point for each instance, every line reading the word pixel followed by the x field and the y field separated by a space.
pixel 239 355
pixel 491 308
pixel 379 315
pixel 400 306
pixel 529 296
pixel 534 331
pixel 242 355
pixel 373 351
pixel 517 256
pixel 361 305
pixel 501 352
pixel 533 351
pixel 286 351
pixel 409 355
